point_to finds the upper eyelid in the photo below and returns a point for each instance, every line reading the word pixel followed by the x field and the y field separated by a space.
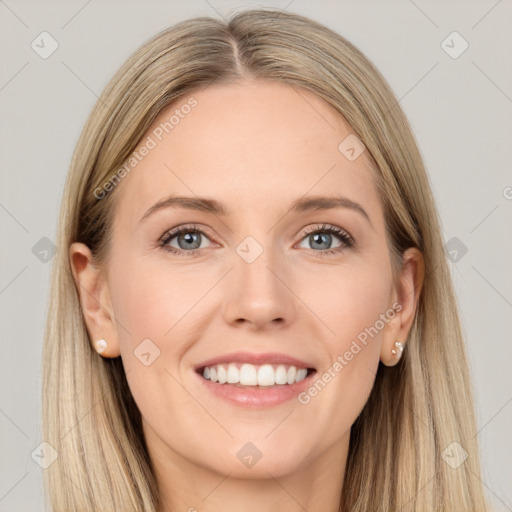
pixel 326 227
pixel 171 233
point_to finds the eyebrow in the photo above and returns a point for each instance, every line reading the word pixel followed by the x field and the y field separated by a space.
pixel 303 204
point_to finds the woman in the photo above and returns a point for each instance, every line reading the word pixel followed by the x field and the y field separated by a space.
pixel 254 369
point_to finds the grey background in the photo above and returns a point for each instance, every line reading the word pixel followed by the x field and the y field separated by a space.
pixel 460 110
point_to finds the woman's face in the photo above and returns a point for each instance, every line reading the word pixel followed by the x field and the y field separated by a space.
pixel 257 278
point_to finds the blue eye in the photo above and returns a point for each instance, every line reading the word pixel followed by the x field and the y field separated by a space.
pixel 323 236
pixel 189 237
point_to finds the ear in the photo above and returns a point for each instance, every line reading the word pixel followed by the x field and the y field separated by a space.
pixel 94 297
pixel 406 295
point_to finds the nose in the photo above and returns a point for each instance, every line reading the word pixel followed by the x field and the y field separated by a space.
pixel 259 294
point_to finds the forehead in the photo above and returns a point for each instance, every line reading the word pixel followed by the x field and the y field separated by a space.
pixel 247 144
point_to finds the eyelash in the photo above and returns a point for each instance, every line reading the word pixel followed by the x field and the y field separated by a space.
pixel 342 235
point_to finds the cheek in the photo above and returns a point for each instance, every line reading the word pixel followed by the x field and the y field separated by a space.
pixel 149 301
pixel 353 311
pixel 352 301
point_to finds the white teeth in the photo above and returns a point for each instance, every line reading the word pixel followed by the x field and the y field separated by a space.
pixel 281 375
pixel 221 374
pixel 266 375
pixel 233 374
pixel 252 375
pixel 292 373
pixel 301 374
pixel 248 375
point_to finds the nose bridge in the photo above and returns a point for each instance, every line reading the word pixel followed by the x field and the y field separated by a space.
pixel 257 263
pixel 258 293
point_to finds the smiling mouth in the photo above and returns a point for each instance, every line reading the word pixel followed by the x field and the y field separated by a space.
pixel 255 376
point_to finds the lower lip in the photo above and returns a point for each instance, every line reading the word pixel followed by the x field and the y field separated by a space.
pixel 257 397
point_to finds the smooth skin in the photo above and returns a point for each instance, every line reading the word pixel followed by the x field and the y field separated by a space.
pixel 255 147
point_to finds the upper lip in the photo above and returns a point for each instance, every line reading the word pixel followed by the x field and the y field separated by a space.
pixel 255 359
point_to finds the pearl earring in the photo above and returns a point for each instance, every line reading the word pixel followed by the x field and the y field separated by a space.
pixel 399 349
pixel 101 346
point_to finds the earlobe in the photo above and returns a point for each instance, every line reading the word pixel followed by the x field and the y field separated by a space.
pixel 408 290
pixel 94 296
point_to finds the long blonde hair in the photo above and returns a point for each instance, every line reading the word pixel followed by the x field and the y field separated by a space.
pixel 416 409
